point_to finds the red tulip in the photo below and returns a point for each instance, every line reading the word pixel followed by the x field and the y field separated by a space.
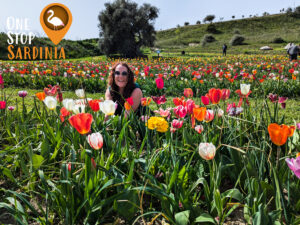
pixel 2 104
pixel 1 82
pixel 205 100
pixel 214 95
pixel 159 83
pixel 159 100
pixel 63 113
pixel 178 101
pixel 81 122
pixel 94 104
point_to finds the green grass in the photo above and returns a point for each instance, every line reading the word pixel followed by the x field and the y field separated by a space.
pixel 291 112
pixel 258 32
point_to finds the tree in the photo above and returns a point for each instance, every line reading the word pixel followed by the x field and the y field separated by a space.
pixel 186 23
pixel 233 17
pixel 209 18
pixel 198 22
pixel 125 27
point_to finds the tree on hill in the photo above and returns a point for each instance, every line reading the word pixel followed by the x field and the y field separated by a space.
pixel 198 22
pixel 209 18
pixel 186 23
pixel 125 27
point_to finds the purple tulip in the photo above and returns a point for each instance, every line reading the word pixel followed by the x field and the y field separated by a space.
pixel 273 97
pixel 294 165
pixel 282 101
pixel 22 94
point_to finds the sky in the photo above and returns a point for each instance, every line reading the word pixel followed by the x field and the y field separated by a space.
pixel 171 12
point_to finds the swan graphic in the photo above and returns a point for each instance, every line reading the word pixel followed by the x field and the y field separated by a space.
pixel 55 21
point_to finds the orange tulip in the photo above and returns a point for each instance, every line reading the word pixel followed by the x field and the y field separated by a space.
pixel 291 131
pixel 145 101
pixel 278 133
pixel 41 96
pixel 199 113
pixel 81 122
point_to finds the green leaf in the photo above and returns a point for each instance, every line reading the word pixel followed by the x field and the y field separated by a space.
pixel 37 160
pixel 233 193
pixel 9 175
pixel 182 218
pixel 205 218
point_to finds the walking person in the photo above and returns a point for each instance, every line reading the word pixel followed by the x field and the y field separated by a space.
pixel 224 49
pixel 293 52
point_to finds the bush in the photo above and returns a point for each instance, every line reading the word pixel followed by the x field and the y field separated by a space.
pixel 237 40
pixel 278 40
pixel 236 31
pixel 198 22
pixel 208 38
pixel 186 23
pixel 211 28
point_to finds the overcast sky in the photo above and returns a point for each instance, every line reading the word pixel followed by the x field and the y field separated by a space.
pixel 171 12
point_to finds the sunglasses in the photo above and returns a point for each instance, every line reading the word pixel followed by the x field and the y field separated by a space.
pixel 124 73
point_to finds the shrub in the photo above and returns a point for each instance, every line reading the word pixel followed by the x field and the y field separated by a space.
pixel 278 40
pixel 198 22
pixel 236 31
pixel 208 38
pixel 211 28
pixel 186 23
pixel 237 40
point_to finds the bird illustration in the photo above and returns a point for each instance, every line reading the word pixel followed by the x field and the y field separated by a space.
pixel 55 21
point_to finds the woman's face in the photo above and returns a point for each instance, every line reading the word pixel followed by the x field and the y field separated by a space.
pixel 121 76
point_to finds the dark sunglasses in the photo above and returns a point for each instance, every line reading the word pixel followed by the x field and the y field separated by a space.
pixel 124 73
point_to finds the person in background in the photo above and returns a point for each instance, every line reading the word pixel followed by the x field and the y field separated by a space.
pixel 293 52
pixel 224 49
pixel 121 86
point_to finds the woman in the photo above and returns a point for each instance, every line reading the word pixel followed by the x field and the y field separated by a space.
pixel 121 86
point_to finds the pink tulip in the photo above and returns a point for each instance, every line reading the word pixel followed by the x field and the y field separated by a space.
pixel 229 106
pixel 95 140
pixel 1 82
pixel 209 116
pixel 199 128
pixel 11 108
pixel 177 124
pixel 205 100
pixel 294 165
pixel 190 104
pixel 273 97
pixel 180 111
pixel 225 94
pixel 162 112
pixel 22 94
pixel 298 126
pixel 159 83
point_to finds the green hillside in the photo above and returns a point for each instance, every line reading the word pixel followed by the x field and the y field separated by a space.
pixel 258 31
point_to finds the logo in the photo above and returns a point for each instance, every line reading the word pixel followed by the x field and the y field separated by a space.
pixel 56 20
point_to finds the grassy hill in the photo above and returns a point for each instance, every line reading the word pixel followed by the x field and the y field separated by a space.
pixel 258 31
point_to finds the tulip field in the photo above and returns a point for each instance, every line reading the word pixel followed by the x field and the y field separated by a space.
pixel 219 143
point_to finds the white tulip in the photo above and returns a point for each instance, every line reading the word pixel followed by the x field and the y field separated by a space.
pixel 80 93
pixel 207 151
pixel 50 102
pixel 68 104
pixel 108 107
pixel 220 112
pixel 78 109
pixel 245 88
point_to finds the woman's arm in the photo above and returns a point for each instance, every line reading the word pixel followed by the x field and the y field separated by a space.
pixel 136 96
pixel 107 95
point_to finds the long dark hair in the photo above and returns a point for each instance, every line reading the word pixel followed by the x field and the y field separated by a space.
pixel 114 89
